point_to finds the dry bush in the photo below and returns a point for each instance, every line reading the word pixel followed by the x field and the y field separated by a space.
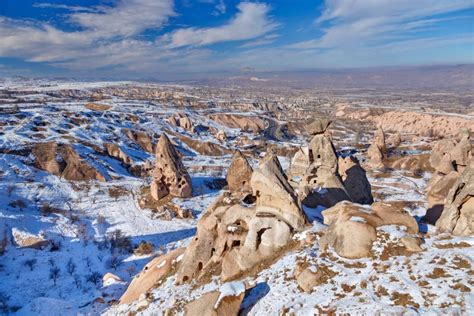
pixel 144 248
pixel 116 191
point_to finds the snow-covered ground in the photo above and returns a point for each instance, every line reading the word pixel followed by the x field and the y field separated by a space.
pixel 78 218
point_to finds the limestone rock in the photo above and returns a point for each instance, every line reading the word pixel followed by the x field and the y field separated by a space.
pixel 307 280
pixel 155 271
pixel 239 173
pixel 169 176
pixel 458 214
pixel 355 180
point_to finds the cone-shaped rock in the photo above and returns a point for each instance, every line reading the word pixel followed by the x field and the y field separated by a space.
pixel 274 193
pixel 239 173
pixel 169 176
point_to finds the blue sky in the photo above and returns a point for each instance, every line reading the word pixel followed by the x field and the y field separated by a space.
pixel 169 39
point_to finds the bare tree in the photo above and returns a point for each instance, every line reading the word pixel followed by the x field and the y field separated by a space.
pixel 30 263
pixel 54 274
pixel 94 277
pixel 77 281
pixel 71 266
pixel 113 262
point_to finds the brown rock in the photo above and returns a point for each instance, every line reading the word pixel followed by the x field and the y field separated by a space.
pixel 318 126
pixel 458 214
pixel 169 176
pixel 239 173
pixel 142 139
pixel 76 168
pixel 155 271
pixel 212 304
pixel 97 107
pixel 115 151
pixel 24 239
pixel 45 154
pixel 244 122
pixel 181 120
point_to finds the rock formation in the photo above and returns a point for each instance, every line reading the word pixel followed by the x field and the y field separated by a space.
pixel 458 213
pixel 97 107
pixel 169 176
pixel 181 120
pixel 449 157
pixel 155 271
pixel 377 150
pixel 352 227
pixel 233 239
pixel 24 239
pixel 142 139
pixel 355 180
pixel 62 160
pixel 115 151
pixel 239 173
pixel 244 122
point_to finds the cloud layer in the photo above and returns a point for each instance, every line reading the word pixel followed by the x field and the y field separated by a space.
pixel 110 39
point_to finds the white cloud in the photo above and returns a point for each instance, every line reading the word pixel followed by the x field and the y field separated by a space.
pixel 251 21
pixel 46 5
pixel 361 23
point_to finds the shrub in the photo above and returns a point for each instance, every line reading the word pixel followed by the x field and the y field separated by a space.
pixel 113 263
pixel 94 278
pixel 119 241
pixel 30 263
pixel 71 266
pixel 54 274
pixel 144 248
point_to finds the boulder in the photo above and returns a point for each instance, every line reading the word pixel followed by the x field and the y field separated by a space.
pixel 394 140
pixel 352 227
pixel 239 173
pixel 458 213
pixel 154 272
pixel 221 136
pixel 169 175
pixel 110 278
pixel 225 302
pixel 375 156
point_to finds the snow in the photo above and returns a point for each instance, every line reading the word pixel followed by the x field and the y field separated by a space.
pixel 230 289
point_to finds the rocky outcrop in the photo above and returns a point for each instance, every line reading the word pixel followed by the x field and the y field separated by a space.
pixel 449 157
pixel 97 107
pixel 154 272
pixel 142 139
pixel 24 239
pixel 355 180
pixel 233 238
pixel 425 124
pixel 376 153
pixel 225 302
pixel 458 213
pixel 203 148
pixel 62 160
pixel 243 122
pixel 352 227
pixel 239 173
pixel 181 120
pixel 116 152
pixel 46 158
pixel 169 176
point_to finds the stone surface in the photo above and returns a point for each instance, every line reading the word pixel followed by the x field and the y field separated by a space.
pixel 156 270
pixel 169 175
pixel 355 180
pixel 239 173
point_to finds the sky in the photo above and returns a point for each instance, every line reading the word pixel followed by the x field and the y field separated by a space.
pixel 178 39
